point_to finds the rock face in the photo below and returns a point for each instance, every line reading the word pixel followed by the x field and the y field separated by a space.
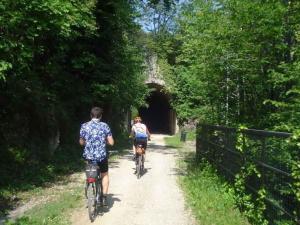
pixel 153 72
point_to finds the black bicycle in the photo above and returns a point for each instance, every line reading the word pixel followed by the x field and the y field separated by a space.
pixel 140 159
pixel 93 190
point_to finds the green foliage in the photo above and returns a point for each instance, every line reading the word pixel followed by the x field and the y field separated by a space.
pixel 58 59
pixel 173 141
pixel 54 212
pixel 256 166
pixel 191 135
pixel 211 199
pixel 237 62
pixel 252 206
pixel 295 164
pixel 296 176
pixel 34 173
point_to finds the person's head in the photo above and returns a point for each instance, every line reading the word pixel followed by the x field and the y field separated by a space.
pixel 137 119
pixel 96 113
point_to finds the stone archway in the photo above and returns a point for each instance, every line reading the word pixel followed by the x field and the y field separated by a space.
pixel 159 115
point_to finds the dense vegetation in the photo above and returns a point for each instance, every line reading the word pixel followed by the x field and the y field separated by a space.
pixel 55 212
pixel 228 62
pixel 208 195
pixel 237 63
pixel 260 168
pixel 58 59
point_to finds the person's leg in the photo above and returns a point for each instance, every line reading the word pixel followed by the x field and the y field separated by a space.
pixel 105 180
pixel 134 149
pixel 105 184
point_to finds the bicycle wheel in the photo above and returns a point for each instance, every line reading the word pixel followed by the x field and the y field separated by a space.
pixel 92 206
pixel 139 167
pixel 136 164
pixel 85 190
pixel 143 162
pixel 99 194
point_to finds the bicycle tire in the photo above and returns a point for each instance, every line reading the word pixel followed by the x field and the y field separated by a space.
pixel 138 167
pixel 139 172
pixel 85 190
pixel 142 164
pixel 92 205
pixel 100 194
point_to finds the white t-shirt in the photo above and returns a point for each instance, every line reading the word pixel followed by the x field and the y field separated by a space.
pixel 140 130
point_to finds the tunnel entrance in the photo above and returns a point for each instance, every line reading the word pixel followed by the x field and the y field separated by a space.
pixel 158 116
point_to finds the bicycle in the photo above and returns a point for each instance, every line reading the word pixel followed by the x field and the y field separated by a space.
pixel 140 159
pixel 93 190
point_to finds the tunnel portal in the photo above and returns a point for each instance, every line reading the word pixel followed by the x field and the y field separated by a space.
pixel 158 116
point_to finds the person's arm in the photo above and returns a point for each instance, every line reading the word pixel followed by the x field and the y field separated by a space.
pixel 110 140
pixel 131 133
pixel 148 133
pixel 82 134
pixel 109 137
pixel 82 141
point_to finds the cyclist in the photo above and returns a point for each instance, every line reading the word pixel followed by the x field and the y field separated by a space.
pixel 94 135
pixel 140 134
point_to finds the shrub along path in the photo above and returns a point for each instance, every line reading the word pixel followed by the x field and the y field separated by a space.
pixel 35 202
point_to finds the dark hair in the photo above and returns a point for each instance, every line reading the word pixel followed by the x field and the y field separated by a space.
pixel 137 119
pixel 96 112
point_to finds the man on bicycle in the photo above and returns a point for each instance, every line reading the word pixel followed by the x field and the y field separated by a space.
pixel 140 134
pixel 94 135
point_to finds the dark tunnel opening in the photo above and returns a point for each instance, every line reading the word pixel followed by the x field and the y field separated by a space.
pixel 159 115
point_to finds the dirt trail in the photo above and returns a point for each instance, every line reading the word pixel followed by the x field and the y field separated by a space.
pixel 154 199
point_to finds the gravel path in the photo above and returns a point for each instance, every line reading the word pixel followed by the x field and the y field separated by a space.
pixel 154 199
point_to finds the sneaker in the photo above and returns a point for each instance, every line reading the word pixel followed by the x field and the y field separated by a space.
pixel 104 201
pixel 98 200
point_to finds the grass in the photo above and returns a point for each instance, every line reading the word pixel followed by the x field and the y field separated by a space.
pixel 173 141
pixel 206 194
pixel 191 136
pixel 55 211
pixel 209 197
pixel 23 180
pixel 52 213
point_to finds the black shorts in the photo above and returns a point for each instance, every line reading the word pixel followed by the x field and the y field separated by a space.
pixel 142 142
pixel 103 166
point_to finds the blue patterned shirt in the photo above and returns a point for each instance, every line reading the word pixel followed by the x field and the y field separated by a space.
pixel 95 133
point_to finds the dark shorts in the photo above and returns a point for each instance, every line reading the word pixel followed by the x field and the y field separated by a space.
pixel 142 142
pixel 103 166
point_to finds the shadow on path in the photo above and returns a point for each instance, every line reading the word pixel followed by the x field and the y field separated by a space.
pixel 111 199
pixel 163 149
